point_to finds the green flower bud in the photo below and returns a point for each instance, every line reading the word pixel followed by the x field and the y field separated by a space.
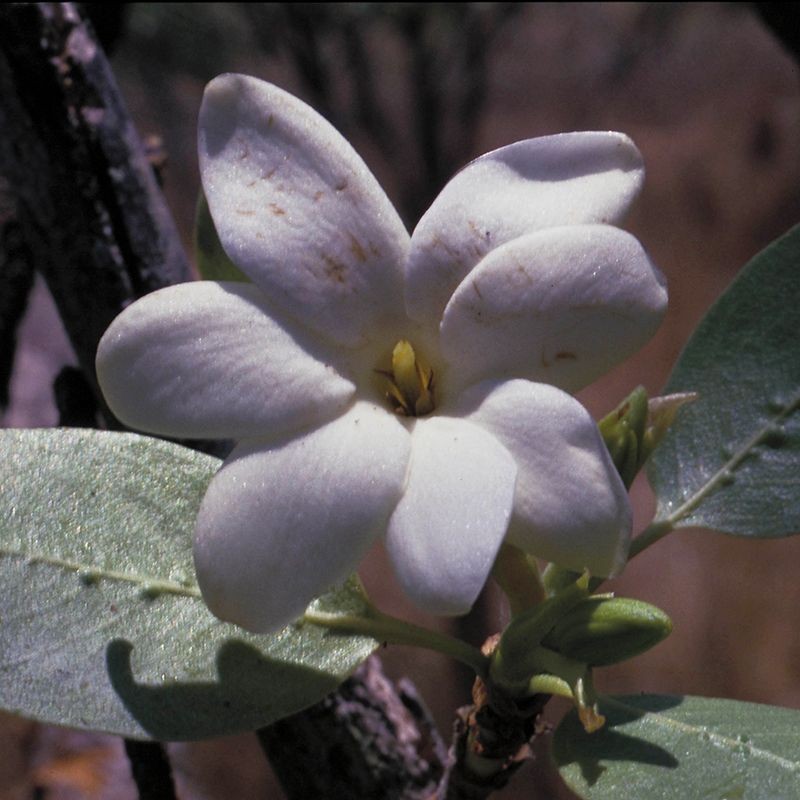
pixel 634 429
pixel 623 430
pixel 603 630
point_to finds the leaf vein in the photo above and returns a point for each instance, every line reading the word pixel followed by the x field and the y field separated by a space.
pixel 715 738
pixel 93 573
pixel 660 527
pixel 734 462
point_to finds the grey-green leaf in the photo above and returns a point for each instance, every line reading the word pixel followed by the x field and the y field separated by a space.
pixel 102 625
pixel 213 263
pixel 732 460
pixel 661 747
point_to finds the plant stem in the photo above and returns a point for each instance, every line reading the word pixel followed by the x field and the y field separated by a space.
pixel 660 528
pixel 392 630
pixel 653 533
pixel 150 769
pixel 490 743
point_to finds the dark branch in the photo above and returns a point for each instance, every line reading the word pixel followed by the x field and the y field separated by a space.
pixel 94 219
pixel 16 282
pixel 150 770
pixel 368 739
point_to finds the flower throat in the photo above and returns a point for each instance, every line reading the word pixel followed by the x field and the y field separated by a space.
pixel 411 390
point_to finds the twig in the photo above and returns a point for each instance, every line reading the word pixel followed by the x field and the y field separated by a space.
pixel 368 739
pixel 151 770
pixel 75 403
pixel 92 214
pixel 16 282
pixel 492 739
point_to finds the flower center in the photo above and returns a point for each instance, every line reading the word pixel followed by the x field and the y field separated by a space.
pixel 410 391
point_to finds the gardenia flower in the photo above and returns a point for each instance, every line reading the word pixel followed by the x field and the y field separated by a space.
pixel 381 385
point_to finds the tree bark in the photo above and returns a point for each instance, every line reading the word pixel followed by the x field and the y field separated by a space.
pixel 16 282
pixel 150 770
pixel 87 201
pixel 492 739
pixel 368 739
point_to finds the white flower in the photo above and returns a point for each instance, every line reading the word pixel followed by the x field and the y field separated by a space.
pixel 513 290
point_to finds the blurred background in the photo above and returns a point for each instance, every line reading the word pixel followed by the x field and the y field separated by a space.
pixel 712 99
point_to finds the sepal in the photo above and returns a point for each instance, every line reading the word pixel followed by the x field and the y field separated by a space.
pixel 515 659
pixel 661 414
pixel 603 630
pixel 634 429
pixel 622 431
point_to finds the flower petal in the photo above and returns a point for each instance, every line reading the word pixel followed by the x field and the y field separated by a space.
pixel 567 179
pixel 570 506
pixel 206 360
pixel 298 210
pixel 445 532
pixel 282 523
pixel 561 306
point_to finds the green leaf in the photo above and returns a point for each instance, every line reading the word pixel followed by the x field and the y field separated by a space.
pixel 660 747
pixel 732 460
pixel 101 624
pixel 213 263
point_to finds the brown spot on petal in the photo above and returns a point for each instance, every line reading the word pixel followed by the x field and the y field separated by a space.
pixel 276 210
pixel 341 185
pixel 453 253
pixel 318 196
pixel 245 212
pixel 334 269
pixel 522 271
pixel 356 249
pixel 483 235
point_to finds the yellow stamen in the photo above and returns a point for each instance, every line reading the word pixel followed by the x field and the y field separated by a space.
pixel 404 371
pixel 411 385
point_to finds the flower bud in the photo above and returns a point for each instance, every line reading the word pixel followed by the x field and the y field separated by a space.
pixel 661 413
pixel 634 429
pixel 605 630
pixel 623 430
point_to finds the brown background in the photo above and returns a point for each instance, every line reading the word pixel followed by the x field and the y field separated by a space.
pixel 713 102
